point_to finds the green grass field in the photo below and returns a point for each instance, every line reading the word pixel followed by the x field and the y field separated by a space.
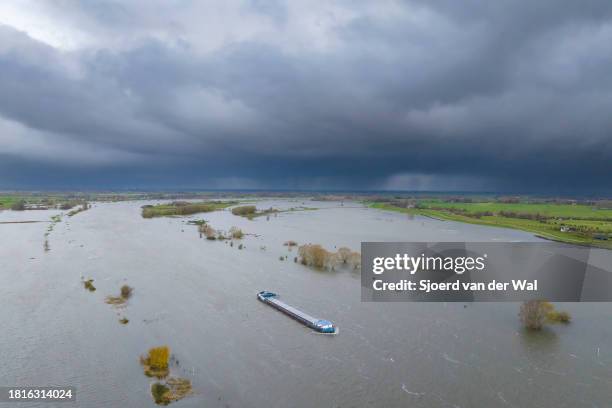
pixel 573 216
pixel 7 201
pixel 577 211
pixel 50 201
pixel 184 208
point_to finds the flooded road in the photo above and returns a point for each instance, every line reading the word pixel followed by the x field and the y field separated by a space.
pixel 199 298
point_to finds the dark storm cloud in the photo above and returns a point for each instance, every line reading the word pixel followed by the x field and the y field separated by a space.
pixel 478 95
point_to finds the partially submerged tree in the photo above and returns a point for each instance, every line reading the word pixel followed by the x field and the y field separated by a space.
pixel 318 257
pixel 314 255
pixel 533 314
pixel 354 260
pixel 208 231
pixel 344 253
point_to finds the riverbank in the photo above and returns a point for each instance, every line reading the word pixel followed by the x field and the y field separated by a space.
pixel 573 224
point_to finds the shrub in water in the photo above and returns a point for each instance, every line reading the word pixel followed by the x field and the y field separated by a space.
pixel 558 317
pixel 159 357
pixel 159 392
pixel 179 388
pixel 156 362
pixel 173 390
pixel 554 316
pixel 535 313
pixel 244 210
pixel 236 233
pixel 88 284
pixel 208 231
pixel 124 295
pixel 126 291
pixel 115 300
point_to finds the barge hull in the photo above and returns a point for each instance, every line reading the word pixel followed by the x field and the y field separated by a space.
pixel 293 312
pixel 320 325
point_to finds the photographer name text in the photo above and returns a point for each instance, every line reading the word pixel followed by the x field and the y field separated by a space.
pixel 427 286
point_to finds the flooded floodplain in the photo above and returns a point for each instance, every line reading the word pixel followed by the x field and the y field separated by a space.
pixel 198 296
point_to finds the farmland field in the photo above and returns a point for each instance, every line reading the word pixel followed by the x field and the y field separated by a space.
pixel 573 211
pixel 582 224
pixel 7 201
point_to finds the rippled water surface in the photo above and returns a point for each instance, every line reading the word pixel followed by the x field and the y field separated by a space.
pixel 198 297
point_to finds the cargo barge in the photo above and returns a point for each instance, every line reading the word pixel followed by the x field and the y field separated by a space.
pixel 320 325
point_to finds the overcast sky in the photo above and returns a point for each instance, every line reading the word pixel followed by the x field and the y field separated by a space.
pixel 417 95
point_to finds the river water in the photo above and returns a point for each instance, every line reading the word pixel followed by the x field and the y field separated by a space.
pixel 198 297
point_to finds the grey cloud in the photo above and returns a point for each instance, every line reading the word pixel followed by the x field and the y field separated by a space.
pixel 504 95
